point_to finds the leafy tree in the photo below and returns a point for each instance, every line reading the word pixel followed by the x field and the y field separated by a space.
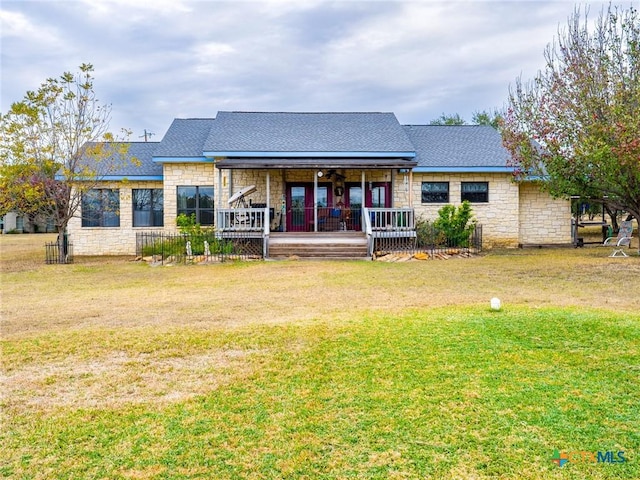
pixel 478 118
pixel 443 119
pixel 576 124
pixel 487 118
pixel 54 146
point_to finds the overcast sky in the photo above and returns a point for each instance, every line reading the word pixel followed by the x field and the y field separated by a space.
pixel 157 60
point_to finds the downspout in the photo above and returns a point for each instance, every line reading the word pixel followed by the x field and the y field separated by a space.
pixel 410 188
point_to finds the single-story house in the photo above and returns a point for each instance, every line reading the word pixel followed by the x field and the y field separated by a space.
pixel 273 173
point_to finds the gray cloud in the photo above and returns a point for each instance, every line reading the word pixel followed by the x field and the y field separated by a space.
pixel 156 60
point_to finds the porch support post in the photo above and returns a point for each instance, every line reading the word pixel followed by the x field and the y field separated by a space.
pixel 218 204
pixel 364 200
pixel 393 187
pixel 282 205
pixel 268 219
pixel 315 201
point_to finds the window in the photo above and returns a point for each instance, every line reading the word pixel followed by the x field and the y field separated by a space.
pixel 435 192
pixel 198 200
pixel 148 208
pixel 475 192
pixel 101 208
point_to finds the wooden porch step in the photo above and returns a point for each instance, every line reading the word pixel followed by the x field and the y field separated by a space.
pixel 318 245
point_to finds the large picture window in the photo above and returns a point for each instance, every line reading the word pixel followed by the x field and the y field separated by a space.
pixel 148 210
pixel 475 192
pixel 435 192
pixel 198 201
pixel 101 208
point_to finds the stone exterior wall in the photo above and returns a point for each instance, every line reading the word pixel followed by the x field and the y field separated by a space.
pixel 543 220
pixel 500 216
pixel 111 240
pixel 516 214
pixel 184 175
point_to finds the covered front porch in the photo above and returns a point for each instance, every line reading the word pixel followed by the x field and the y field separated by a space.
pixel 322 202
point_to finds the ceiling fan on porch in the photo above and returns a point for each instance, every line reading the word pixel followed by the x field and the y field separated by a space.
pixel 336 176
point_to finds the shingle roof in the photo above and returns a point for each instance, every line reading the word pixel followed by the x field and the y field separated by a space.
pixel 306 132
pixel 457 146
pixel 143 152
pixel 185 138
pixel 117 166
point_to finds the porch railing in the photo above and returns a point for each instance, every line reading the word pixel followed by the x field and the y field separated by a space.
pixel 428 239
pixel 392 219
pixel 243 220
pixel 396 224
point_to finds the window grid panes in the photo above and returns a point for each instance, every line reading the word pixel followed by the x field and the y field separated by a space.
pixel 198 201
pixel 101 208
pixel 475 192
pixel 435 192
pixel 148 210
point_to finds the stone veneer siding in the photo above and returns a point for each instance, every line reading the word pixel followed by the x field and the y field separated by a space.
pixel 516 214
pixel 500 216
pixel 111 240
pixel 543 219
pixel 185 175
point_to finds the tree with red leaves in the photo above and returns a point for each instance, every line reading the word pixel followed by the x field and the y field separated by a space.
pixel 576 125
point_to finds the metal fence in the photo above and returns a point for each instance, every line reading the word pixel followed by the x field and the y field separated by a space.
pixel 166 248
pixel 53 256
pixel 429 240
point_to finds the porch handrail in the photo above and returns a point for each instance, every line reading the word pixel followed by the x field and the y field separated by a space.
pixel 392 219
pixel 366 227
pixel 265 232
pixel 242 220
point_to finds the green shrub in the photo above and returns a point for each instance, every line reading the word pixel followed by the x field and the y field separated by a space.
pixel 188 226
pixel 427 235
pixel 456 224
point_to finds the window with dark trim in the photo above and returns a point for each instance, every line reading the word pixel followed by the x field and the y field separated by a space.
pixel 435 192
pixel 101 208
pixel 475 192
pixel 198 201
pixel 148 210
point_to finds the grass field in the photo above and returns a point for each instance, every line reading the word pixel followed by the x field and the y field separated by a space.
pixel 265 370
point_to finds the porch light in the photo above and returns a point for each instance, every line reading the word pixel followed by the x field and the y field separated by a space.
pixel 320 174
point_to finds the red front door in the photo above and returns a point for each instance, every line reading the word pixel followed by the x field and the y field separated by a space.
pixel 300 205
pixel 377 195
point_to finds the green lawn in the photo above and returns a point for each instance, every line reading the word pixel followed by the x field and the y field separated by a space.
pixel 424 391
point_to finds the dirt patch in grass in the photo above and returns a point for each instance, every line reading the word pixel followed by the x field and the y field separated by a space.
pixel 120 378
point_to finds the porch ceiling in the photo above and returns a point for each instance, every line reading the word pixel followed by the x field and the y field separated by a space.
pixel 306 163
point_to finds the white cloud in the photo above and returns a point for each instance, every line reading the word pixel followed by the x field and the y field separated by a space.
pixel 160 59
